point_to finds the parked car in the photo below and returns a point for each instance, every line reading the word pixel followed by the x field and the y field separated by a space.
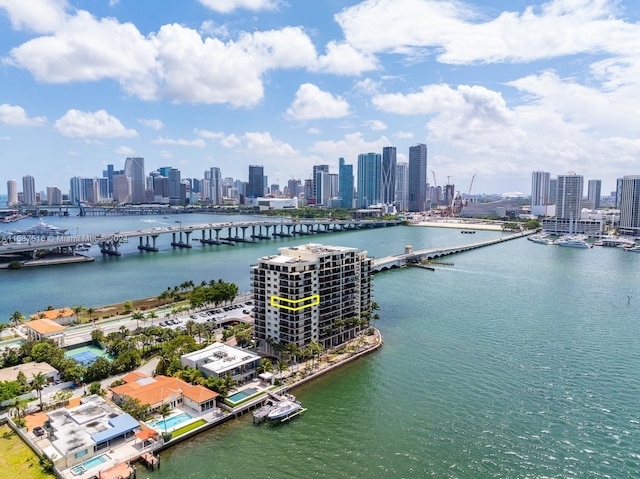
pixel 38 431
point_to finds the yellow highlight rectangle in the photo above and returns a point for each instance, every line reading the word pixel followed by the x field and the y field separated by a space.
pixel 278 301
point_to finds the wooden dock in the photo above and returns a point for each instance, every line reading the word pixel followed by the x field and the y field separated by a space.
pixel 150 460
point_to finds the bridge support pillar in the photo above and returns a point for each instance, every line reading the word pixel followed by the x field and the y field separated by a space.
pixel 147 246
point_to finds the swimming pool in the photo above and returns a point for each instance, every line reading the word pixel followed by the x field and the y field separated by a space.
pixel 93 462
pixel 240 395
pixel 172 421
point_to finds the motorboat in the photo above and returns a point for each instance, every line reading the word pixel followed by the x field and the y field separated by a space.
pixel 283 409
pixel 573 241
pixel 541 238
pixel 633 249
pixel 615 241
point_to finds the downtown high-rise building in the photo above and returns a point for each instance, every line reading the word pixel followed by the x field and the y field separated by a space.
pixel 594 193
pixel 175 187
pixel 89 188
pixel 295 187
pixel 540 185
pixel 418 177
pixel 12 193
pixel 134 169
pixel 300 294
pixel 628 198
pixel 215 186
pixel 314 178
pixel 345 186
pixel 326 187
pixel 122 189
pixel 553 190
pixel 402 186
pixel 54 195
pixel 388 175
pixel 540 188
pixel 29 190
pixel 255 187
pixel 369 179
pixel 569 196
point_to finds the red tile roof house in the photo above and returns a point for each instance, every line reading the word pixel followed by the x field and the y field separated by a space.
pixel 158 390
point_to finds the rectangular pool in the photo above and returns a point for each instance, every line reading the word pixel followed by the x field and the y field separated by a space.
pixel 173 421
pixel 86 465
pixel 240 395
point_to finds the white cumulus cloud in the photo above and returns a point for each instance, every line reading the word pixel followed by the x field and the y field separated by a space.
pixel 198 142
pixel 343 59
pixel 311 103
pixel 125 151
pixel 226 6
pixel 152 123
pixel 459 35
pixel 99 124
pixel 15 115
pixel 42 16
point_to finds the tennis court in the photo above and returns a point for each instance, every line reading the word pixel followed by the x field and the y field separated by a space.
pixel 87 354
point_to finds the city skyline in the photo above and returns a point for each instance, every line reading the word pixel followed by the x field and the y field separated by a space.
pixel 228 84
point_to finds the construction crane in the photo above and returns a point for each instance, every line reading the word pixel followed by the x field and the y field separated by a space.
pixel 470 186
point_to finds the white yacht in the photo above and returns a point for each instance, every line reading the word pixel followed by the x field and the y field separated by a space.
pixel 614 241
pixel 284 409
pixel 573 241
pixel 633 249
pixel 541 238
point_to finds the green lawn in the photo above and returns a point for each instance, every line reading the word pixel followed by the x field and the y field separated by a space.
pixel 17 459
pixel 188 427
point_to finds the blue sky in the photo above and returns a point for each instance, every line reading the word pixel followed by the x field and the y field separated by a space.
pixel 495 88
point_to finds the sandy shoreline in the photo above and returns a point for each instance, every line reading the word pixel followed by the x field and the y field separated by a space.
pixel 463 225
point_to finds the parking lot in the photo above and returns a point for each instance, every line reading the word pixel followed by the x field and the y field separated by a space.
pixel 220 316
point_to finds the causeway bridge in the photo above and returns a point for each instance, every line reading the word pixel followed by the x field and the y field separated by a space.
pixel 411 256
pixel 183 236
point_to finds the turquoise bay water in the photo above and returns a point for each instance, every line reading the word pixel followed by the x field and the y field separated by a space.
pixel 518 361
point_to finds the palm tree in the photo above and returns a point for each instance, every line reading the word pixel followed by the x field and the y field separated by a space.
pixel 266 366
pixel 138 316
pixel 200 329
pixel 294 352
pixel 229 382
pixel 19 408
pixel 164 410
pixel 281 366
pixel 38 383
pixel 77 310
pixel 313 348
pixel 152 315
pixel 189 326
pixel 90 312
pixel 97 336
pixel 124 331
pixel 16 318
